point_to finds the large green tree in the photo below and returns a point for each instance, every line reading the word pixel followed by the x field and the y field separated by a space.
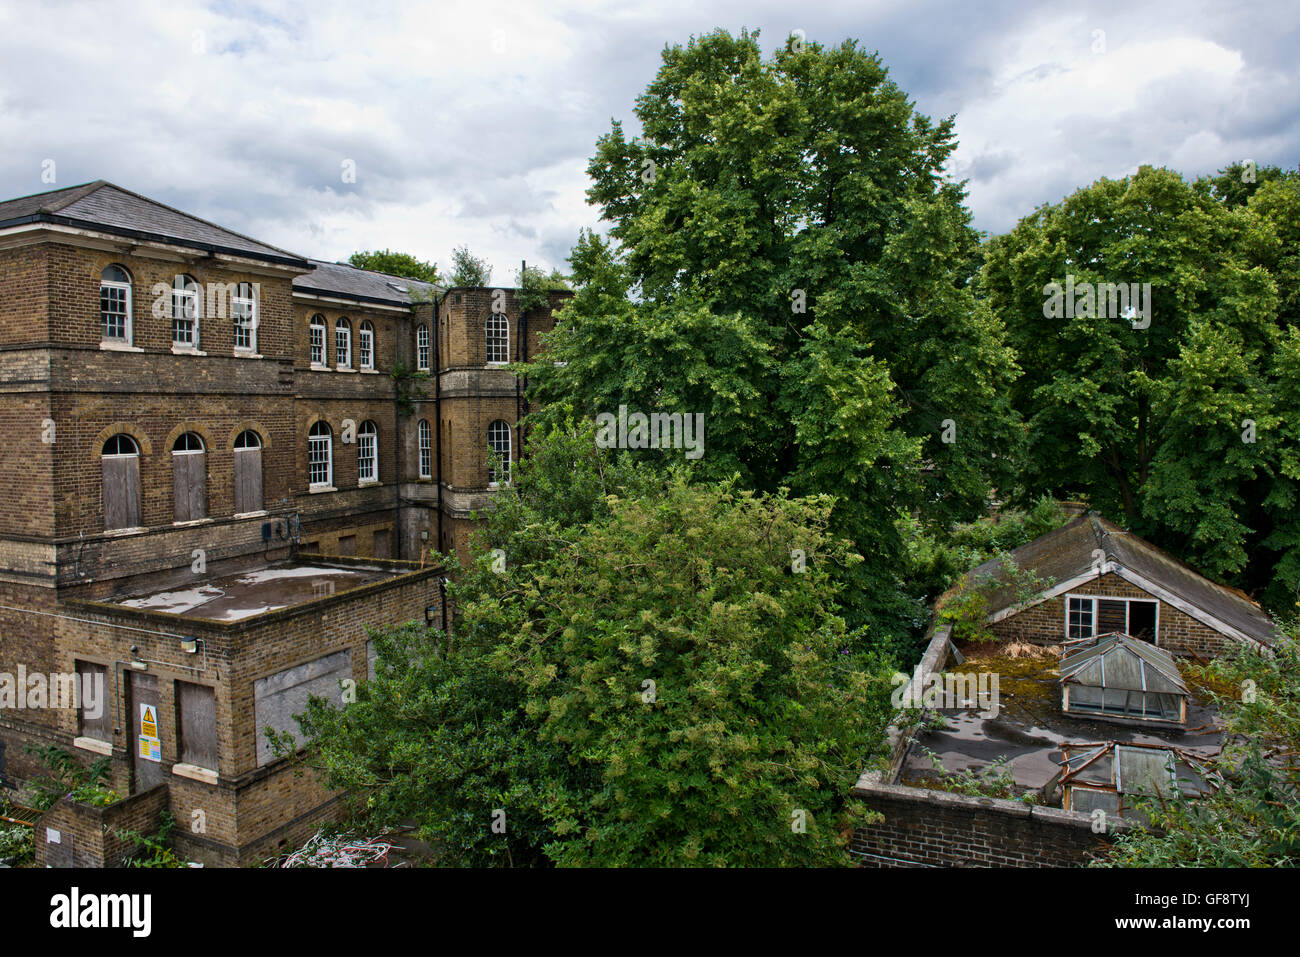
pixel 788 259
pixel 1176 421
pixel 641 675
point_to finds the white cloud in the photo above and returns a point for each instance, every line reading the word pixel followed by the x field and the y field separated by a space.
pixel 473 122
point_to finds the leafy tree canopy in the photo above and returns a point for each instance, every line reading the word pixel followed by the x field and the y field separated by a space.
pixel 1174 420
pixel 396 264
pixel 646 680
pixel 468 269
pixel 788 260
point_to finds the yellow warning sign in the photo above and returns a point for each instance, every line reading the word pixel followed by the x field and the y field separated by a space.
pixel 148 722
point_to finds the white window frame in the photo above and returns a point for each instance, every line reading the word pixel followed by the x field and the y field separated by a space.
pixel 498 344
pixel 343 343
pixel 111 286
pixel 504 477
pixel 1093 599
pixel 321 327
pixel 426 449
pixel 315 441
pixel 422 348
pixel 246 324
pixel 185 295
pixel 368 453
pixel 366 345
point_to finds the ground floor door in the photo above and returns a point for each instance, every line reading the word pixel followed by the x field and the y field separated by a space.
pixel 145 731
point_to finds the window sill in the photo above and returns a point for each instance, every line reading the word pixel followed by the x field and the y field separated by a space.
pixel 370 372
pixel 258 514
pixel 317 489
pixel 367 483
pixel 497 365
pixel 192 522
pixel 195 773
pixel 186 351
pixel 317 367
pixel 245 354
pixel 133 530
pixel 344 369
pixel 94 744
pixel 109 345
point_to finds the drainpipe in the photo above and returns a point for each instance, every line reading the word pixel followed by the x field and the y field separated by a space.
pixel 397 467
pixel 437 409
pixel 519 427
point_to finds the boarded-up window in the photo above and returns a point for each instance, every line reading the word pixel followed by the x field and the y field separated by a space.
pixel 189 478
pixel 1111 615
pixel 196 716
pixel 93 713
pixel 347 544
pixel 381 544
pixel 278 697
pixel 248 472
pixel 121 467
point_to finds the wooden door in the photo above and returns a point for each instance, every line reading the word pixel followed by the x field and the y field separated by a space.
pixel 248 480
pixel 190 485
pixel 121 491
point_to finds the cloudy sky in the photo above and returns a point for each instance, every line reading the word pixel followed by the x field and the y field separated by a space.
pixel 473 122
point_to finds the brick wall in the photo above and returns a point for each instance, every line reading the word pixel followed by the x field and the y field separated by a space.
pixel 1044 623
pixel 55 552
pixel 94 833
pixel 250 809
pixel 922 827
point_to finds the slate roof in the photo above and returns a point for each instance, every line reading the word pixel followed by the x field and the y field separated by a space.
pixel 349 282
pixel 105 207
pixel 1067 553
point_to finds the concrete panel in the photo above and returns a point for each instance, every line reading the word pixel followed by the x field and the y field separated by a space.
pixel 278 697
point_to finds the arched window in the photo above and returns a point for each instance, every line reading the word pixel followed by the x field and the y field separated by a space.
pixel 498 338
pixel 499 452
pixel 318 340
pixel 422 348
pixel 248 472
pixel 189 478
pixel 320 457
pixel 368 452
pixel 121 469
pixel 426 449
pixel 343 343
pixel 115 304
pixel 243 308
pixel 185 313
pixel 366 345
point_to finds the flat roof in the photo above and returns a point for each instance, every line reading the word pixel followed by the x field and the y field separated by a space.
pixel 1031 731
pixel 254 591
